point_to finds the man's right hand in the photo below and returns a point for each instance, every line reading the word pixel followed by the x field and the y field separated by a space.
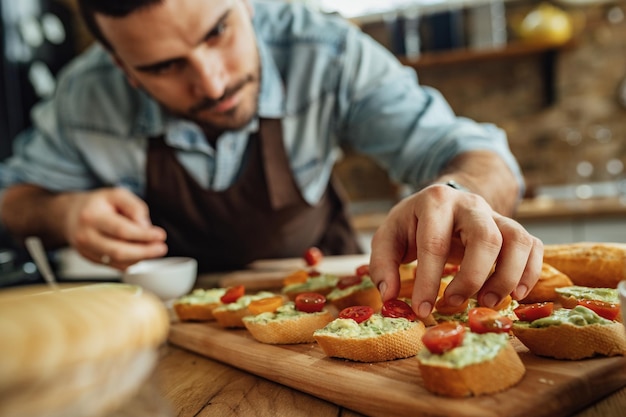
pixel 113 225
pixel 109 225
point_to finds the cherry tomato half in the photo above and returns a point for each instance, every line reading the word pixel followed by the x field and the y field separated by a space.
pixel 443 337
pixel 506 301
pixel 313 256
pixel 450 269
pixel 398 309
pixel 297 277
pixel 263 305
pixel 363 270
pixel 534 311
pixel 603 309
pixel 232 294
pixel 357 313
pixel 487 320
pixel 348 281
pixel 310 302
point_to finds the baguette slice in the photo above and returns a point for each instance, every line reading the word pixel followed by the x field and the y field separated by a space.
pixel 231 315
pixel 505 370
pixel 199 305
pixel 322 284
pixel 402 342
pixel 545 289
pixel 569 296
pixel 589 264
pixel 288 330
pixel 363 294
pixel 572 342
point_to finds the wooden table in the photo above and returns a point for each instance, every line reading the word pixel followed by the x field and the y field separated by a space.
pixel 193 385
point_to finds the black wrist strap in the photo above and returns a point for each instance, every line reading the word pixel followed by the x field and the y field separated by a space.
pixel 457 186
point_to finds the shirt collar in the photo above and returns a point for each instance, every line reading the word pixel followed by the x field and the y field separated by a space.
pixel 272 89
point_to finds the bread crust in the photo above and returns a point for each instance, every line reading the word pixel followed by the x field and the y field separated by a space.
pixel 231 319
pixel 570 342
pixel 589 264
pixel 386 347
pixel 550 279
pixel 76 351
pixel 495 375
pixel 291 330
pixel 195 312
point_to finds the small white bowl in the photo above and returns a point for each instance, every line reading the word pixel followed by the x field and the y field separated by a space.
pixel 621 290
pixel 168 278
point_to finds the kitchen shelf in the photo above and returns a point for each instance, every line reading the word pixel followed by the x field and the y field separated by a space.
pixel 547 51
pixel 462 56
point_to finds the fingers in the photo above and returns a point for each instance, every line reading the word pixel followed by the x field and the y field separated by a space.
pixel 440 225
pixel 391 247
pixel 518 266
pixel 133 222
pixel 113 225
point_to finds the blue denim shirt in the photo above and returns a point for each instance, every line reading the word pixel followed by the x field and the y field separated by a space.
pixel 328 82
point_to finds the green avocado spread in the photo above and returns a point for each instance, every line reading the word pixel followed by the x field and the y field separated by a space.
pixel 577 316
pixel 475 348
pixel 202 296
pixel 462 316
pixel 365 284
pixel 244 300
pixel 372 327
pixel 285 312
pixel 313 284
pixel 608 295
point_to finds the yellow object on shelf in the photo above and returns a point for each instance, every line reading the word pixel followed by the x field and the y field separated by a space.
pixel 546 24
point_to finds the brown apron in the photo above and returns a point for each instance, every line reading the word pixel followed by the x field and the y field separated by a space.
pixel 262 215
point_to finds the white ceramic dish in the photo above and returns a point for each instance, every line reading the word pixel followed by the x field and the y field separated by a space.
pixel 168 278
pixel 73 266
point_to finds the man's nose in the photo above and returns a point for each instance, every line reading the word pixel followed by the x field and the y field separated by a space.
pixel 209 78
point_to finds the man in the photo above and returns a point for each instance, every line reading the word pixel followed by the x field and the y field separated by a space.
pixel 211 128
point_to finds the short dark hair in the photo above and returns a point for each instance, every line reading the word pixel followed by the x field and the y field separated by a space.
pixel 111 8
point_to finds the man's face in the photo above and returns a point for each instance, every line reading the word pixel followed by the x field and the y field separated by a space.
pixel 198 58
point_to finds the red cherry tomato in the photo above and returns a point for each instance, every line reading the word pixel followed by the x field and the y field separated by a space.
pixel 232 294
pixel 609 311
pixel 310 302
pixel 348 281
pixel 450 269
pixel 530 312
pixel 443 337
pixel 487 320
pixel 313 256
pixel 397 308
pixel 363 270
pixel 314 273
pixel 357 313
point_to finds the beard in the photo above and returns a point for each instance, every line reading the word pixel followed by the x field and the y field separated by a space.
pixel 233 119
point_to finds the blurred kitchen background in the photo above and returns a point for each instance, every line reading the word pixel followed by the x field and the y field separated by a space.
pixel 551 73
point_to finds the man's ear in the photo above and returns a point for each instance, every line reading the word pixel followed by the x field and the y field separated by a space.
pixel 131 80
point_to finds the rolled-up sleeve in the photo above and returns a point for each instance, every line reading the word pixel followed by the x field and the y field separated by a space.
pixel 407 128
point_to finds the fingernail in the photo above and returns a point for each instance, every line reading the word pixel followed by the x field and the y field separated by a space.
pixel 455 300
pixel 490 299
pixel 425 309
pixel 382 288
pixel 521 291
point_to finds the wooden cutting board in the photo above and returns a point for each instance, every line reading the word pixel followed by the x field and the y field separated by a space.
pixel 549 388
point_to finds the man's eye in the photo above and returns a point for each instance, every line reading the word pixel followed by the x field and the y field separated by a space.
pixel 217 31
pixel 164 68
